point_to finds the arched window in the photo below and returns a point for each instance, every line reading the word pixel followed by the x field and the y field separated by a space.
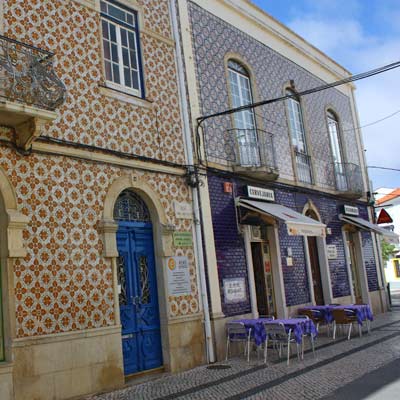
pixel 131 207
pixel 334 137
pixel 298 135
pixel 245 126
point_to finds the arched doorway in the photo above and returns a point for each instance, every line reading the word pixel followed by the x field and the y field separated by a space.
pixel 314 263
pixel 137 285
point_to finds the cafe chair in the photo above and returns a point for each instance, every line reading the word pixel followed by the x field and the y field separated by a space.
pixel 277 336
pixel 317 317
pixel 344 317
pixel 237 332
pixel 310 335
pixel 272 317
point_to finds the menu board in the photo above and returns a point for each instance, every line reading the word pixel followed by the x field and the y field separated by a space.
pixel 178 276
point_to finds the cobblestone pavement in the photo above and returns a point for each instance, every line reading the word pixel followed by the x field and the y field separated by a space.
pixel 336 364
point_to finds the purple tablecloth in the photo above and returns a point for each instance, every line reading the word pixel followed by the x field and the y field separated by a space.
pixel 257 328
pixel 362 311
pixel 299 327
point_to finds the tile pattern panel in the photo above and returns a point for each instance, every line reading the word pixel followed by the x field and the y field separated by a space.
pixel 64 283
pixel 212 40
pixel 72 32
pixel 230 250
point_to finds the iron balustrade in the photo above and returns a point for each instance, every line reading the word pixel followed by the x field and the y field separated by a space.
pixel 253 148
pixel 303 164
pixel 27 75
pixel 348 178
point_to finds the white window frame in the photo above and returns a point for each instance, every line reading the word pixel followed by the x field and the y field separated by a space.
pixel 135 31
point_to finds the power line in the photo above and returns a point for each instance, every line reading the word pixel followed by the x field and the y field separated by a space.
pixel 387 168
pixel 351 78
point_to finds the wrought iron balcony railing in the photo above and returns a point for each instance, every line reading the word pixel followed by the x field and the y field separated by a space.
pixel 348 178
pixel 27 76
pixel 303 164
pixel 253 148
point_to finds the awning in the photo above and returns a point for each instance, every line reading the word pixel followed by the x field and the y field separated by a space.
pixel 365 225
pixel 297 224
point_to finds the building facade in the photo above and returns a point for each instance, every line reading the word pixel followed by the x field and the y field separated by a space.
pixel 285 196
pixel 98 272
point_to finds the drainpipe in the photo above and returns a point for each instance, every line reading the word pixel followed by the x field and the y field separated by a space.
pixel 195 192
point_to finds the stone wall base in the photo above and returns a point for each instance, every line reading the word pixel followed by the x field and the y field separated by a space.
pixel 62 366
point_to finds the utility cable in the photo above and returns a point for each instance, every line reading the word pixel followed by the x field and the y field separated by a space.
pixel 351 78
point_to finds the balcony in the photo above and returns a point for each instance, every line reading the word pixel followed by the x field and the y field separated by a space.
pixel 254 153
pixel 30 90
pixel 349 180
pixel 303 165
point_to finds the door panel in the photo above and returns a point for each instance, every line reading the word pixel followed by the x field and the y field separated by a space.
pixel 139 306
pixel 315 270
pixel 259 278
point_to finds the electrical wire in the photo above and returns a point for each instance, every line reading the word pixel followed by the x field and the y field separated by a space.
pixel 386 168
pixel 351 78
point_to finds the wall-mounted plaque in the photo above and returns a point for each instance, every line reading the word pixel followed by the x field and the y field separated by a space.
pixel 183 239
pixel 234 290
pixel 178 276
pixel 331 251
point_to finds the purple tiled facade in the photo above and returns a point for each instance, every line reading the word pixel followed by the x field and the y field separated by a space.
pixel 213 41
pixel 230 250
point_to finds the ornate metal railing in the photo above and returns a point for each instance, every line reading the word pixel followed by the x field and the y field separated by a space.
pixel 27 75
pixel 303 164
pixel 348 178
pixel 253 148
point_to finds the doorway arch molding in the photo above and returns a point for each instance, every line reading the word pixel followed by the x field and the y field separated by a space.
pixel 163 230
pixel 15 222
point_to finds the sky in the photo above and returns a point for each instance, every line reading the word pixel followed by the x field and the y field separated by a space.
pixel 360 35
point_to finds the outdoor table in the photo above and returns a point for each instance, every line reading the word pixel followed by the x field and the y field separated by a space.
pixel 257 328
pixel 362 311
pixel 299 327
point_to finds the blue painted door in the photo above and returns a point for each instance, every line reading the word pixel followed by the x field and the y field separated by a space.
pixel 141 338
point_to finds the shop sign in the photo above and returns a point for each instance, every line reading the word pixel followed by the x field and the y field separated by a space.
pixel 331 251
pixel 234 290
pixel 260 193
pixel 183 239
pixel 178 276
pixel 183 210
pixel 351 210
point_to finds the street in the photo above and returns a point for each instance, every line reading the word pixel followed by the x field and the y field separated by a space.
pixel 362 368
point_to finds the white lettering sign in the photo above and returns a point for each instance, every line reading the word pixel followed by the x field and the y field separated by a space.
pixel 331 251
pixel 351 210
pixel 178 276
pixel 260 193
pixel 183 210
pixel 234 290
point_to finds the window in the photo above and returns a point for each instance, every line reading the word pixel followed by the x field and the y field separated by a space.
pixel 298 136
pixel 245 125
pixel 339 167
pixel 396 264
pixel 121 47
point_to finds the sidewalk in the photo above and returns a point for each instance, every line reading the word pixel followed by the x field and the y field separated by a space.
pixel 335 365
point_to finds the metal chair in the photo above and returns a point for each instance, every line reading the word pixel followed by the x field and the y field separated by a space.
pixel 277 335
pixel 237 332
pixel 344 317
pixel 310 335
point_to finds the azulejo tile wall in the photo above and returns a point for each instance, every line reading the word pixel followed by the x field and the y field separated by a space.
pixel 231 259
pixel 213 39
pixel 64 283
pixel 72 32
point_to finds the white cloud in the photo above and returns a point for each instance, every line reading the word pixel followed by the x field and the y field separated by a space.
pixel 347 41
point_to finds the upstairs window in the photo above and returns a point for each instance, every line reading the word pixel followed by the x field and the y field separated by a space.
pixel 245 126
pixel 121 47
pixel 296 123
pixel 333 126
pixel 298 135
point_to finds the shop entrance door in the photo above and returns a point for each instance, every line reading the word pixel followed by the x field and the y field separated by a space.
pixel 263 278
pixel 355 279
pixel 315 270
